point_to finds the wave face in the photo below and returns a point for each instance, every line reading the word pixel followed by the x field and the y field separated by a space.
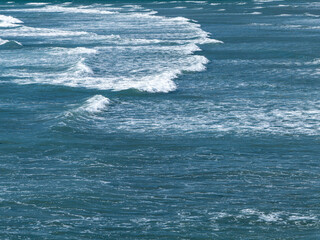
pixel 7 44
pixel 117 48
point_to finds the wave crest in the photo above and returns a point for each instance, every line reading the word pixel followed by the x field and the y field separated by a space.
pixel 9 21
pixel 95 104
pixel 9 44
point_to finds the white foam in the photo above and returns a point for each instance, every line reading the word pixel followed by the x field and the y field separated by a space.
pixel 62 9
pixel 151 52
pixel 266 1
pixel 283 217
pixel 302 217
pixel 155 83
pixel 209 40
pixel 25 31
pixel 9 21
pixel 186 49
pixel 132 6
pixel 272 217
pixel 138 41
pixel 73 51
pixel 311 15
pixel 81 68
pixel 2 42
pixel 95 104
pixel 197 2
pixel 255 13
pixel 260 24
pixel 314 62
pixel 37 4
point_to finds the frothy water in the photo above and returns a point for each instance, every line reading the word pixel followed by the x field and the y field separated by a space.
pixel 95 104
pixel 154 66
pixel 9 21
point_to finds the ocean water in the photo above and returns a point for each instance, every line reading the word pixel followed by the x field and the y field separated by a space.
pixel 160 119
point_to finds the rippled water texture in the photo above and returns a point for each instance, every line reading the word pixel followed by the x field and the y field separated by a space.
pixel 160 120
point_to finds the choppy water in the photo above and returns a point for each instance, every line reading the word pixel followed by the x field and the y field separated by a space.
pixel 160 120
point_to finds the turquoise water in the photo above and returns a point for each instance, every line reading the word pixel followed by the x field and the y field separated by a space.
pixel 160 120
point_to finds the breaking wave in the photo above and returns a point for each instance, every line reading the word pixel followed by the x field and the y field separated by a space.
pixel 129 49
pixel 95 104
pixel 9 21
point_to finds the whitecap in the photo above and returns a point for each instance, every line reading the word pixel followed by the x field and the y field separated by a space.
pixel 209 40
pixel 196 2
pixel 95 104
pixel 266 1
pixel 156 53
pixel 62 9
pixel 81 68
pixel 73 51
pixel 311 15
pixel 9 21
pixel 37 4
pixel 272 217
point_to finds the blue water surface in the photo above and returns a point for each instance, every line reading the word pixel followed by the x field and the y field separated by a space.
pixel 160 119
